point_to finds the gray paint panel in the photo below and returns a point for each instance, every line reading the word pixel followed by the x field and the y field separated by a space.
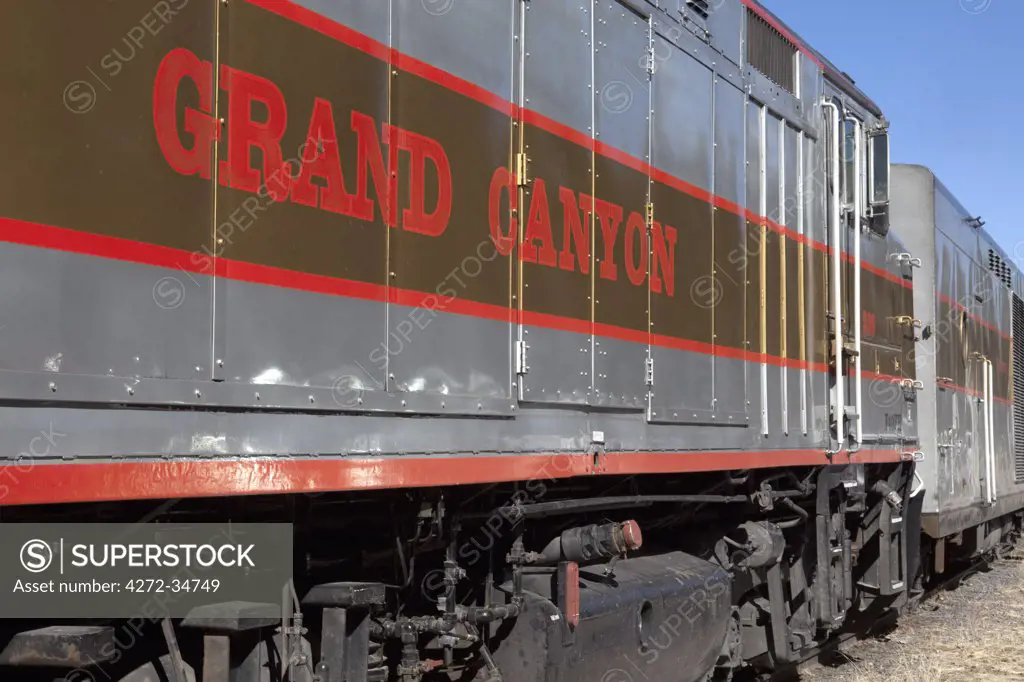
pixel 285 337
pixel 790 202
pixel 449 35
pixel 69 314
pixel 619 373
pixel 622 40
pixel 370 17
pixel 682 391
pixel 730 229
pixel 726 23
pixel 773 166
pixel 559 366
pixel 446 355
pixel 681 133
pixel 622 84
pixel 558 62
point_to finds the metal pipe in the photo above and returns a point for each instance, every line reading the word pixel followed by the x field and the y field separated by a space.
pixel 561 507
pixel 837 282
pixel 990 430
pixel 858 211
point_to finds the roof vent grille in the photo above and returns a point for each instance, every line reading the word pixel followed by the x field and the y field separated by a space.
pixel 1000 268
pixel 770 52
pixel 699 7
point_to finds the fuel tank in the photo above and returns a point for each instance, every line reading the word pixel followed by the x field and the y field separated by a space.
pixel 663 617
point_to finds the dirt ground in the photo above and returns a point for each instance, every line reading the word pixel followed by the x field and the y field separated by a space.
pixel 975 632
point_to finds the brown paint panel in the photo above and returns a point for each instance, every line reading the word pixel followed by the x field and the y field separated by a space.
pixel 730 280
pixel 477 141
pixel 752 271
pixel 773 292
pixel 622 301
pixel 688 314
pixel 910 334
pixel 819 317
pixel 793 311
pixel 287 234
pixel 92 162
pixel 947 339
pixel 554 163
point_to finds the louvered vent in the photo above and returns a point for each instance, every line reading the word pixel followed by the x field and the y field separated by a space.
pixel 770 52
pixel 1000 268
pixel 1018 388
pixel 698 7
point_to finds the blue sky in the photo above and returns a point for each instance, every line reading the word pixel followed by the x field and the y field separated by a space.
pixel 949 75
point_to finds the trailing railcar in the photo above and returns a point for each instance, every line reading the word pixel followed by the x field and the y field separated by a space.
pixel 967 301
pixel 557 330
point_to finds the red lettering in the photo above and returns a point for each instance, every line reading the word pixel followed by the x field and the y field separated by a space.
pixel 178 65
pixel 575 232
pixel 415 218
pixel 610 216
pixel 636 259
pixel 244 133
pixel 385 179
pixel 869 323
pixel 538 227
pixel 664 259
pixel 324 165
pixel 503 181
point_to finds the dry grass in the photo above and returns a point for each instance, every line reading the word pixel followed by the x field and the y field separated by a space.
pixel 975 632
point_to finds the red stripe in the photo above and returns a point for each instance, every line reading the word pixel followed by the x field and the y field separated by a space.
pixel 561 130
pixel 133 480
pixel 321 24
pixel 980 320
pixel 971 392
pixel 87 243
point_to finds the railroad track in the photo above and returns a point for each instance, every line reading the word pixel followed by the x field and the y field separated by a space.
pixel 888 622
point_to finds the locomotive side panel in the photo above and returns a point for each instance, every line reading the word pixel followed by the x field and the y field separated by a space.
pixel 384 222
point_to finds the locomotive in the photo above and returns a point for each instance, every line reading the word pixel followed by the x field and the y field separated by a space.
pixel 588 340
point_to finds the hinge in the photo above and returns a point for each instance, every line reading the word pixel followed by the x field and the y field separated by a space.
pixel 521 366
pixel 649 371
pixel 522 170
